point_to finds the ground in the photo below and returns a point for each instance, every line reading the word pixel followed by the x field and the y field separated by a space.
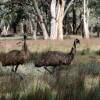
pixel 41 45
pixel 85 68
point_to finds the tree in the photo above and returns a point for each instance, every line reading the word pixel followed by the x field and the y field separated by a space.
pixel 86 18
pixel 58 12
pixel 95 6
pixel 15 11
pixel 50 17
pixel 40 18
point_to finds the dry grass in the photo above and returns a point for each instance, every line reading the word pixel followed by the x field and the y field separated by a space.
pixel 70 83
pixel 42 45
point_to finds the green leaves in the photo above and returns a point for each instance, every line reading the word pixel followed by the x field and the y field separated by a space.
pixel 15 11
pixel 95 5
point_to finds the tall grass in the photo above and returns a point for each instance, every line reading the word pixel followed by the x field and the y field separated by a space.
pixel 65 84
pixel 74 91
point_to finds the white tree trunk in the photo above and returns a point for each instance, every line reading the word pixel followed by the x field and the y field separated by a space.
pixel 85 19
pixel 53 34
pixel 21 28
pixel 60 20
pixel 41 20
pixel 44 31
pixel 57 13
pixel 5 30
pixel 35 31
pixel 34 34
pixel 31 27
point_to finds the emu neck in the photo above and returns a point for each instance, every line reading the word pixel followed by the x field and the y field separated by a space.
pixel 74 44
pixel 25 46
pixel 73 50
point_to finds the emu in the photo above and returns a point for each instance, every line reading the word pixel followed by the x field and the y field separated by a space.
pixel 56 58
pixel 15 57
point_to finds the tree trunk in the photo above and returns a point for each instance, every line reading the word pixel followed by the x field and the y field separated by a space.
pixel 60 19
pixel 85 19
pixel 30 27
pixel 98 35
pixel 53 34
pixel 57 13
pixel 35 31
pixel 21 28
pixel 5 30
pixel 74 18
pixel 40 18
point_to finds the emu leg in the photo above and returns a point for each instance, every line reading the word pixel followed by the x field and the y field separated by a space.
pixel 21 77
pixel 47 70
pixel 16 68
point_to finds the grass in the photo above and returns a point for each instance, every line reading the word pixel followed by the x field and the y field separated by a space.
pixel 65 84
pixel 97 52
pixel 80 81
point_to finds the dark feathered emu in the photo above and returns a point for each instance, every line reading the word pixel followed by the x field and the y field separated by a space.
pixel 15 58
pixel 56 58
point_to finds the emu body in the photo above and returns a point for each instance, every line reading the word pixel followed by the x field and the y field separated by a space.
pixel 15 57
pixel 56 58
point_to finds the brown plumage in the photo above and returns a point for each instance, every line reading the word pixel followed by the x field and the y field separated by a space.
pixel 56 58
pixel 15 57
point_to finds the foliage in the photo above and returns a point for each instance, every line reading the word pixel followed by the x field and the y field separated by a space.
pixel 95 6
pixel 68 84
pixel 15 11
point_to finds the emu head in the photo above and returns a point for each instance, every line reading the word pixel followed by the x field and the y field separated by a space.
pixel 76 41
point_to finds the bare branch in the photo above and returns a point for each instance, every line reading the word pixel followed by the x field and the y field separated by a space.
pixel 70 3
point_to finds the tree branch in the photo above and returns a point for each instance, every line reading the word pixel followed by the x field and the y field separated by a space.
pixel 40 17
pixel 70 3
